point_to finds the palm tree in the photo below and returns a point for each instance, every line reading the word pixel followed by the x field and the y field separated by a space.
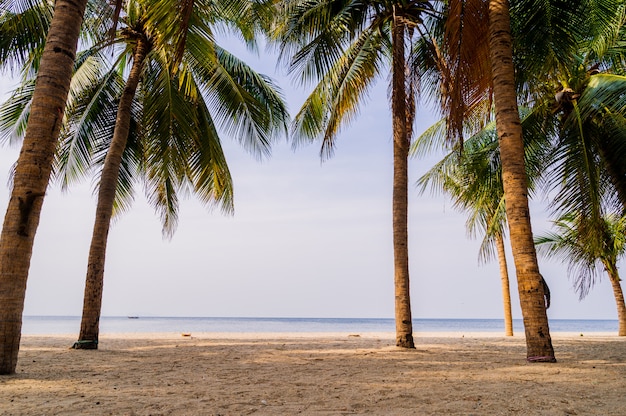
pixel 32 172
pixel 473 180
pixel 345 46
pixel 550 30
pixel 578 98
pixel 476 69
pixel 515 184
pixel 179 135
pixel 577 245
pixel 568 27
pixel 588 174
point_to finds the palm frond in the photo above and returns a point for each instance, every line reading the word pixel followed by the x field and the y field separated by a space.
pixel 335 100
pixel 314 34
pixel 605 19
pixel 208 169
pixel 585 149
pixel 586 247
pixel 248 106
pixel 23 30
pixel 90 120
pixel 183 151
pixel 431 140
pixel 466 81
pixel 14 114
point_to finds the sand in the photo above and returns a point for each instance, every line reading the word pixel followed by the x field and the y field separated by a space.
pixel 315 374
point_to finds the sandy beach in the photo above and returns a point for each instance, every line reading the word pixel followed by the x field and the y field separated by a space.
pixel 315 374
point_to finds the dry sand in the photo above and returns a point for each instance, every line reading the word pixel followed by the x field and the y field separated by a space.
pixel 315 374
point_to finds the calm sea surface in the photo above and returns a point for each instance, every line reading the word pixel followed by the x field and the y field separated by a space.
pixel 33 325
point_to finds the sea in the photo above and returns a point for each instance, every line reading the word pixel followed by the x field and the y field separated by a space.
pixel 37 325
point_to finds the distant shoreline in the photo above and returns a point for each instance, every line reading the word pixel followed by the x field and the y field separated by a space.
pixel 139 324
pixel 556 335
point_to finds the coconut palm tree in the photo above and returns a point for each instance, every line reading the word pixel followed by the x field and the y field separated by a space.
pixel 567 28
pixel 577 245
pixel 472 180
pixel 588 176
pixel 343 47
pixel 32 172
pixel 580 100
pixel 180 138
pixel 515 184
pixel 474 70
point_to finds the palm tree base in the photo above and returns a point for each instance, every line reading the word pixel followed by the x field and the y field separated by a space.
pixel 85 345
pixel 405 341
pixel 542 359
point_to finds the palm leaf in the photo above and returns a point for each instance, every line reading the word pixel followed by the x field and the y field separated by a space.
pixel 23 30
pixel 14 113
pixel 335 100
pixel 246 104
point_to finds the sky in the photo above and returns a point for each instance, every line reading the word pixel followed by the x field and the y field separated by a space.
pixel 307 239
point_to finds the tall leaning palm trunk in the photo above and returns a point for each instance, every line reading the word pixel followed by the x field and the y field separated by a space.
pixel 90 323
pixel 538 342
pixel 506 290
pixel 401 145
pixel 33 173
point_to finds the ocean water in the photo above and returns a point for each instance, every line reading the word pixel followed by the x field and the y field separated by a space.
pixel 33 325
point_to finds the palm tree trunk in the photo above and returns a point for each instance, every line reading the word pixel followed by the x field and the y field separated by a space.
pixel 538 341
pixel 506 291
pixel 92 302
pixel 404 324
pixel 33 173
pixel 619 300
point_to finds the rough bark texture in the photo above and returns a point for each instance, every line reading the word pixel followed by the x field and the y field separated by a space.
pixel 506 290
pixel 404 324
pixel 529 282
pixel 33 173
pixel 92 303
pixel 619 301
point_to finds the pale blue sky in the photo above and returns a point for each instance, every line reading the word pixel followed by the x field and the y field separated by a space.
pixel 308 239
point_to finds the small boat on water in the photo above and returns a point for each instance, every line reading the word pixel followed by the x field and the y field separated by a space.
pixel 133 317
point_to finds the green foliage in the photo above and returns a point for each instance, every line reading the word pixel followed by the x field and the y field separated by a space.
pixel 186 102
pixel 587 248
pixel 23 29
pixel 472 177
pixel 342 47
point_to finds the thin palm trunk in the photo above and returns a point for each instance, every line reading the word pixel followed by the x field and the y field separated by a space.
pixel 33 173
pixel 506 291
pixel 619 301
pixel 538 342
pixel 92 303
pixel 404 325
